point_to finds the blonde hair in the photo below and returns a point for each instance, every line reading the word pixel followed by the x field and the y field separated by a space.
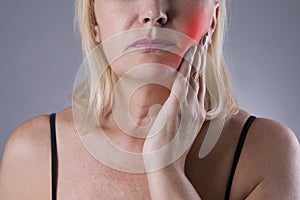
pixel 95 96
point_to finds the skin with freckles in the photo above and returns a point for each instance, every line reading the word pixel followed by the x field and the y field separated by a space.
pixel 269 166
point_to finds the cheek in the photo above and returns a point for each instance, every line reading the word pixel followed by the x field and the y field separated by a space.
pixel 110 19
pixel 197 21
pixel 201 25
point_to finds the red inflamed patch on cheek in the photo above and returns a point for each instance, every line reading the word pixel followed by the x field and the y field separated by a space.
pixel 199 22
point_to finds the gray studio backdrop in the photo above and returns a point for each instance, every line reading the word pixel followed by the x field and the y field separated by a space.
pixel 40 55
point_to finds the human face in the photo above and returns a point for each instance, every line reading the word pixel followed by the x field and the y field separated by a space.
pixel 192 18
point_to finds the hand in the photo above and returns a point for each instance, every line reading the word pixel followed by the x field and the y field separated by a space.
pixel 181 117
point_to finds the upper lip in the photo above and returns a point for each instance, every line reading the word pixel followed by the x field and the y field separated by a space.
pixel 149 42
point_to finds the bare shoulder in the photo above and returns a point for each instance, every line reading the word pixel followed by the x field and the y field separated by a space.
pixel 271 155
pixel 26 160
pixel 277 130
pixel 31 137
pixel 272 137
pixel 273 140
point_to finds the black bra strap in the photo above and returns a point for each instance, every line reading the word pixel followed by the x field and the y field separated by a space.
pixel 237 154
pixel 53 156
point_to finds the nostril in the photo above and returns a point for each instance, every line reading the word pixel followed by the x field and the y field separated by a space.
pixel 146 20
pixel 154 18
pixel 160 21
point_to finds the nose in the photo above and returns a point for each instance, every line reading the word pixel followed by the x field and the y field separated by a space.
pixel 153 13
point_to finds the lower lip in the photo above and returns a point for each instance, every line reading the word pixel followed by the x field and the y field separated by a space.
pixel 151 47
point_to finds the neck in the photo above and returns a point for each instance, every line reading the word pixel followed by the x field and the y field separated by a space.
pixel 135 103
pixel 144 100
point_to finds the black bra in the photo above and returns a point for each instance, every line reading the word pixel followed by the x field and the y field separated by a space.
pixel 54 163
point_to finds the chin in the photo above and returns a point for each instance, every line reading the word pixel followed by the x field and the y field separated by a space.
pixel 147 63
pixel 149 73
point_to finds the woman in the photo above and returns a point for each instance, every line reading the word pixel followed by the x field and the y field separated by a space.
pixel 193 94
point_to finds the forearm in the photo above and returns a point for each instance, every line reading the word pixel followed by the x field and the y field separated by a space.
pixel 170 183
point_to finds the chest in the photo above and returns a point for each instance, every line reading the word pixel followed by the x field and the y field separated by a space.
pixel 80 176
pixel 100 182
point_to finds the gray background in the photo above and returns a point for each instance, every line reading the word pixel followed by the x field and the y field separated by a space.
pixel 40 55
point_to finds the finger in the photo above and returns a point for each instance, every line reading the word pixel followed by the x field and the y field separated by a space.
pixel 187 61
pixel 195 73
pixel 202 78
pixel 181 82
